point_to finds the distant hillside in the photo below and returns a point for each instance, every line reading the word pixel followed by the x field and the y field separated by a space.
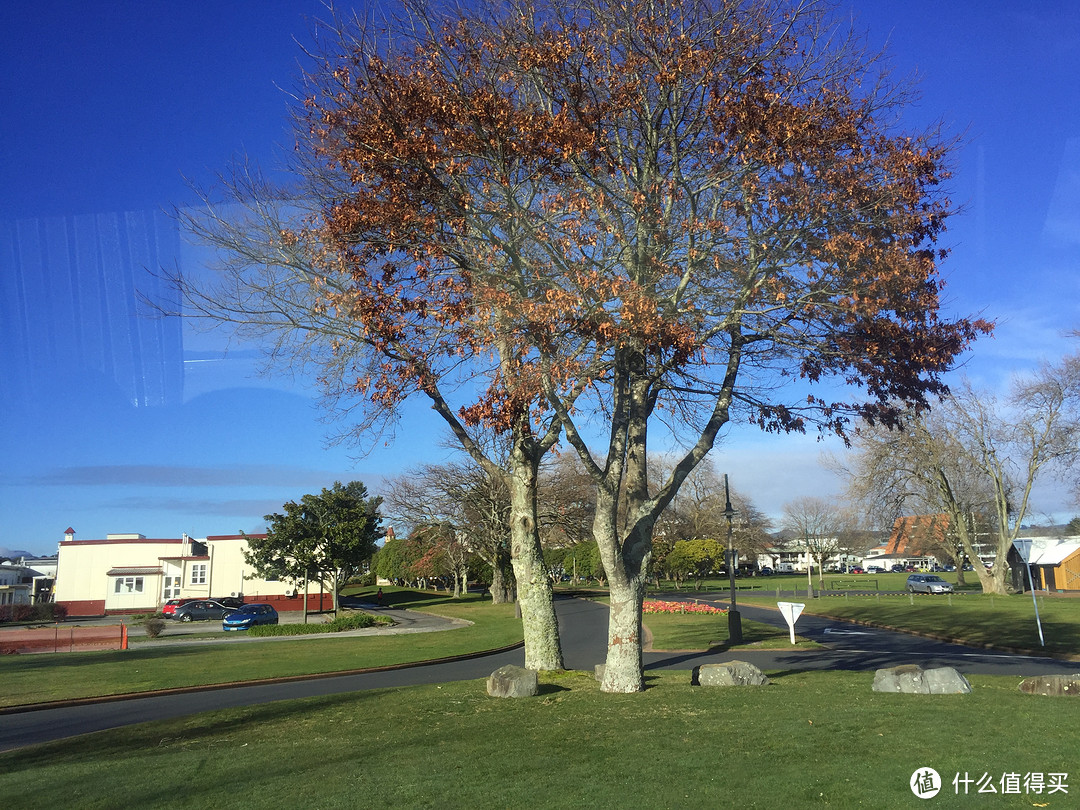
pixel 14 554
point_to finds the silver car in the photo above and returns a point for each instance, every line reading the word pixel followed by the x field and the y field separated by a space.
pixel 927 583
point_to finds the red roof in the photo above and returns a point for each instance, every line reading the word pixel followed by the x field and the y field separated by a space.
pixel 917 534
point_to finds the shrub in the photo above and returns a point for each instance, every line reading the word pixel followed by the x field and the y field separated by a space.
pixel 355 620
pixel 351 621
pixel 154 626
pixel 287 629
pixel 49 612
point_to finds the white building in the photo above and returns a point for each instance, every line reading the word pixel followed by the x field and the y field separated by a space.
pixel 13 589
pixel 130 573
pixel 26 580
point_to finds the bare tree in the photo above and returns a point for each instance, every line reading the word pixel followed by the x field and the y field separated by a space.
pixel 698 512
pixel 815 524
pixel 566 502
pixel 1037 431
pixel 469 503
pixel 921 469
pixel 975 456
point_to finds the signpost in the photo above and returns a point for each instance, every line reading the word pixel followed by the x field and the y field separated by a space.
pixel 791 612
pixel 1023 548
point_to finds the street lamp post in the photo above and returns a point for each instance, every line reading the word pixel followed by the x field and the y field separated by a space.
pixel 734 620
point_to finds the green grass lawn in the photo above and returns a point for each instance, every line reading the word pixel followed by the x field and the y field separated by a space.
pixel 807 740
pixel 148 666
pixel 710 631
pixel 999 621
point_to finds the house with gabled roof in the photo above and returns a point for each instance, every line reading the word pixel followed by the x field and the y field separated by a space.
pixel 131 573
pixel 917 540
pixel 1054 564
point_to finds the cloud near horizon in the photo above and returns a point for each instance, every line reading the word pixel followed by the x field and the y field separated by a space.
pixel 154 475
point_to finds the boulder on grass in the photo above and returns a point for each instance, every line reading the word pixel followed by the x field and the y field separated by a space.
pixel 512 681
pixel 598 671
pixel 731 673
pixel 911 679
pixel 1052 685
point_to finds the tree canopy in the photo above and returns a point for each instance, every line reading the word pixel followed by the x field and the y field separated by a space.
pixel 590 213
pixel 326 537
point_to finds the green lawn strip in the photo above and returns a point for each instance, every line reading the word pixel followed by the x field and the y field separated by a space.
pixel 808 739
pixel 63 676
pixel 1004 622
pixel 675 631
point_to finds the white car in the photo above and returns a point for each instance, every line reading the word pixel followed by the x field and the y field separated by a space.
pixel 928 583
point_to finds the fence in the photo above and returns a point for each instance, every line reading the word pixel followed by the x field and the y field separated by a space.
pixel 853 585
pixel 63 639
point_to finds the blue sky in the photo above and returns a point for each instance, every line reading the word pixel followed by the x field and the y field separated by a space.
pixel 114 422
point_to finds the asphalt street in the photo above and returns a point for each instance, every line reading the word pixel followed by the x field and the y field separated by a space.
pixel 583 625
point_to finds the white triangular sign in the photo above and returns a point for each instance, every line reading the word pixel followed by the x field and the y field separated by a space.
pixel 791 612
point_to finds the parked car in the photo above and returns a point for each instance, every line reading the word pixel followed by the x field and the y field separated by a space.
pixel 898 569
pixel 855 569
pixel 233 602
pixel 875 569
pixel 200 610
pixel 171 605
pixel 927 583
pixel 765 571
pixel 249 616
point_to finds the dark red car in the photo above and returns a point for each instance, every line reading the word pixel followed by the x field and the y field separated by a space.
pixel 170 606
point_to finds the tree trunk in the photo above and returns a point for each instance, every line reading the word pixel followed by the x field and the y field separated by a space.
pixel 623 669
pixel 540 626
pixel 626 563
pixel 501 589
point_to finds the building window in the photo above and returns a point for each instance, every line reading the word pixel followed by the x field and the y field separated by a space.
pixel 198 574
pixel 128 585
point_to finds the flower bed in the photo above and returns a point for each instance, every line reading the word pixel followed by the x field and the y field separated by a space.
pixel 653 606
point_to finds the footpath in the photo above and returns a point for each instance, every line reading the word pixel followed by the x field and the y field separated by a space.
pixel 405 621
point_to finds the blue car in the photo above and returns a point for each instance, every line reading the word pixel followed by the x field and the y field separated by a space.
pixel 249 616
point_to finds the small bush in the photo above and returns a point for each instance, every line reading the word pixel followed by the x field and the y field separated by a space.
pixel 287 629
pixel 154 626
pixel 355 620
pixel 49 612
pixel 351 621
pixel 143 618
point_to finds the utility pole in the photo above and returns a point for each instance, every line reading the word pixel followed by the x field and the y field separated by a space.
pixel 734 620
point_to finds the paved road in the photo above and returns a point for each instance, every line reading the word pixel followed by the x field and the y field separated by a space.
pixel 853 647
pixel 583 626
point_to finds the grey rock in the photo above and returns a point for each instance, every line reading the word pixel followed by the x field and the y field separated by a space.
pixel 1052 685
pixel 598 671
pixel 912 679
pixel 731 673
pixel 512 681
